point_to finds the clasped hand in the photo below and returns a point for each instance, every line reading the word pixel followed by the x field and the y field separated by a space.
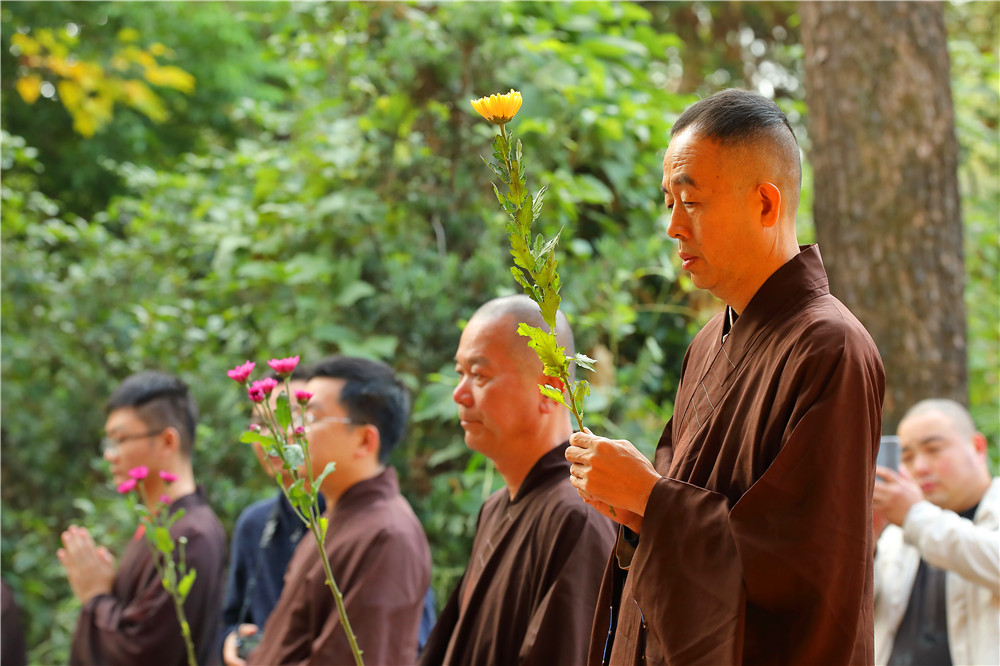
pixel 89 569
pixel 611 473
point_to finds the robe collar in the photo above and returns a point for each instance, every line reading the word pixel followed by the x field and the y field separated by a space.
pixel 360 496
pixel 190 501
pixel 802 279
pixel 551 465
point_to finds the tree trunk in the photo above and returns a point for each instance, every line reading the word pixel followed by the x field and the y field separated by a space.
pixel 886 206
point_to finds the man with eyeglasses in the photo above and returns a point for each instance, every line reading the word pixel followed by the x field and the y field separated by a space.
pixel 127 616
pixel 377 549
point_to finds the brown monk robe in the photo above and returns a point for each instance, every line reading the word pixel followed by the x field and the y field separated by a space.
pixel 532 582
pixel 756 545
pixel 137 622
pixel 380 559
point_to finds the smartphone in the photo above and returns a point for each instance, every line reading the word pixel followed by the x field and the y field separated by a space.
pixel 246 644
pixel 888 452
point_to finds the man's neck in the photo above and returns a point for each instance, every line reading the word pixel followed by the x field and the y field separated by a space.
pixel 515 469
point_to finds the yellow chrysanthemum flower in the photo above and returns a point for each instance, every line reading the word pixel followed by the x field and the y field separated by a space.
pixel 497 108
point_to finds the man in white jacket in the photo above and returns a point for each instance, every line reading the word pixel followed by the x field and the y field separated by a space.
pixel 937 565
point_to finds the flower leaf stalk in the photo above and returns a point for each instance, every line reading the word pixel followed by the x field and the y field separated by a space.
pixel 176 577
pixel 279 435
pixel 535 263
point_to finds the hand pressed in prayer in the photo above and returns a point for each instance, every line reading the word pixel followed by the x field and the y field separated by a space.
pixel 611 472
pixel 894 494
pixel 90 570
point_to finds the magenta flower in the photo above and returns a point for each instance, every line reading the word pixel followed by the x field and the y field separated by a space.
pixel 299 430
pixel 303 396
pixel 168 477
pixel 284 366
pixel 241 372
pixel 266 385
pixel 256 394
pixel 254 427
pixel 126 485
pixel 139 473
pixel 165 499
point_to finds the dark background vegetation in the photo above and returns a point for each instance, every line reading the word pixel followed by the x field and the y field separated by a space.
pixel 320 190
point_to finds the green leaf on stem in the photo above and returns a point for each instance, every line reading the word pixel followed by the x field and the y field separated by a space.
pixel 251 437
pixel 330 466
pixel 294 456
pixel 552 392
pixel 323 524
pixel 584 361
pixel 162 540
pixel 184 587
pixel 283 412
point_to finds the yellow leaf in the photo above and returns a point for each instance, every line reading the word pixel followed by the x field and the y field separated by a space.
pixel 29 87
pixel 128 35
pixel 171 77
pixel 159 49
pixel 84 124
pixel 71 94
pixel 26 43
pixel 140 97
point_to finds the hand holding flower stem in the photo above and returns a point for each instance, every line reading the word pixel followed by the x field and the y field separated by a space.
pixel 291 445
pixel 177 579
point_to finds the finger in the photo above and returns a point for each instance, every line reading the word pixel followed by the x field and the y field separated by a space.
pixel 106 555
pixel 905 474
pixel 573 453
pixel 247 630
pixel 886 473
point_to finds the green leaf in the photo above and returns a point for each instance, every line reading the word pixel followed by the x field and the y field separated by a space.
pixel 294 456
pixel 283 412
pixel 330 466
pixel 162 540
pixel 184 587
pixel 584 361
pixel 251 437
pixel 553 393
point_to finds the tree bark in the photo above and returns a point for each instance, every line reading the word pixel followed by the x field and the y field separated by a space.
pixel 886 205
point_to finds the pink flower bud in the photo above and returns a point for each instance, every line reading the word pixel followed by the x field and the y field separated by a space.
pixel 299 430
pixel 256 394
pixel 303 396
pixel 284 366
pixel 254 427
pixel 165 499
pixel 168 477
pixel 139 473
pixel 126 485
pixel 241 372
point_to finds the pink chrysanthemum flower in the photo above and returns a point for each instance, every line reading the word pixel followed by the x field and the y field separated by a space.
pixel 139 473
pixel 241 372
pixel 169 477
pixel 284 366
pixel 126 486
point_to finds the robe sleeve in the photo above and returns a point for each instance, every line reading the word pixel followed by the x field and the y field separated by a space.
pixel 145 630
pixel 384 614
pixel 785 570
pixel 948 541
pixel 559 629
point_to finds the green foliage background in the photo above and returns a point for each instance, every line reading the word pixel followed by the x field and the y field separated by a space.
pixel 322 191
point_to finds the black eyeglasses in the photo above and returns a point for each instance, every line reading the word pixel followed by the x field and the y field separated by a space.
pixel 111 444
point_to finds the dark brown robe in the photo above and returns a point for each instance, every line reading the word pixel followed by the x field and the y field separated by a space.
pixel 531 586
pixel 382 564
pixel 136 623
pixel 756 546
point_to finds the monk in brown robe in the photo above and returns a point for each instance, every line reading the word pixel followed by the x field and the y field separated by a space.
pixel 128 617
pixel 529 592
pixel 377 549
pixel 748 539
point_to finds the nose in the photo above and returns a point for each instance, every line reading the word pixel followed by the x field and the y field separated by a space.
pixel 676 228
pixel 462 395
pixel 919 465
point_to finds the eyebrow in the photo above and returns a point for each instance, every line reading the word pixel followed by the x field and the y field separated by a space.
pixel 679 179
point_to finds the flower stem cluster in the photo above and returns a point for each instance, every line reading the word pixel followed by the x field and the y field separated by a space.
pixel 534 259
pixel 277 433
pixel 177 578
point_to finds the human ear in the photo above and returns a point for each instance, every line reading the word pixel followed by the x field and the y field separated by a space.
pixel 770 204
pixel 980 444
pixel 369 444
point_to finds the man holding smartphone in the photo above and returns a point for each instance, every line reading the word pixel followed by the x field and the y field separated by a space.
pixel 937 563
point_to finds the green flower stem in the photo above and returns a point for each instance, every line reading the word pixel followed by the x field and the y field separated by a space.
pixel 337 596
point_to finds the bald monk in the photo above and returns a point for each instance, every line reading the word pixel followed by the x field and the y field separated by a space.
pixel 748 539
pixel 529 592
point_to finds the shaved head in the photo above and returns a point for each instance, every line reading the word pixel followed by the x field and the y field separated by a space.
pixel 520 308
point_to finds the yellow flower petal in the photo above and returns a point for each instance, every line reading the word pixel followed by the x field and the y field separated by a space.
pixel 498 108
